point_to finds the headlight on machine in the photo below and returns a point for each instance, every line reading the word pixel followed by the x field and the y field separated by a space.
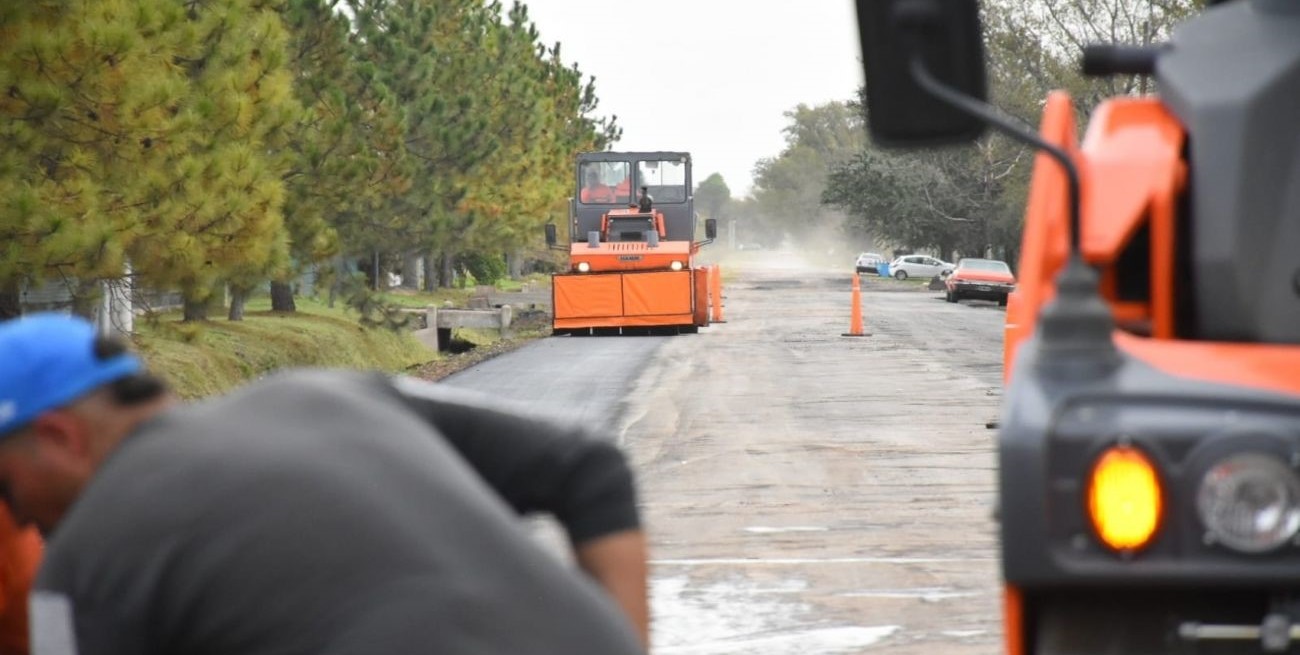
pixel 676 266
pixel 583 267
pixel 1250 502
pixel 1125 499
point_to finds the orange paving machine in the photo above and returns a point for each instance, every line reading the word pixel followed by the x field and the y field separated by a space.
pixel 631 267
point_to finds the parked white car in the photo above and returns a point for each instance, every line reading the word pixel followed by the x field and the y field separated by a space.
pixel 868 262
pixel 921 266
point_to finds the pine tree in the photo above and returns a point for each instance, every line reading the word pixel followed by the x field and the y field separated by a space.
pixel 219 215
pixel 431 55
pixel 493 120
pixel 88 104
pixel 345 145
pixel 526 180
pixel 144 131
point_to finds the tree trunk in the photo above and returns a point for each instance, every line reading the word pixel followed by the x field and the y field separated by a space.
pixel 282 297
pixel 515 264
pixel 411 270
pixel 430 269
pixel 195 310
pixel 338 274
pixel 448 270
pixel 11 301
pixel 85 298
pixel 366 267
pixel 238 296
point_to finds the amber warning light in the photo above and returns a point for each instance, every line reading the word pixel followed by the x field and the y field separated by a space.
pixel 1124 498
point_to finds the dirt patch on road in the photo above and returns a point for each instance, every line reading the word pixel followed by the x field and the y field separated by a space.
pixel 877 283
pixel 449 363
pixel 529 326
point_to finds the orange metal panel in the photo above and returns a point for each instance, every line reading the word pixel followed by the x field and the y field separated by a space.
pixel 625 321
pixel 1015 328
pixel 623 300
pixel 629 255
pixel 1132 149
pixel 1044 244
pixel 657 294
pixel 701 278
pixel 1132 172
pixel 662 320
pixel 715 291
pixel 1013 621
pixel 587 296
pixel 1259 366
pixel 1130 312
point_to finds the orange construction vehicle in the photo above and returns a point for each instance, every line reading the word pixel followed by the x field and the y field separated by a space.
pixel 631 265
pixel 1149 445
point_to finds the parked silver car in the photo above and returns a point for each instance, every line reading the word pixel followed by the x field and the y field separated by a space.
pixel 922 266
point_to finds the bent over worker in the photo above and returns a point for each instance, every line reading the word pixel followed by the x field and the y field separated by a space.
pixel 310 512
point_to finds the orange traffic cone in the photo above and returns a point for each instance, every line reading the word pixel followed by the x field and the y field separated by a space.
pixel 715 282
pixel 855 320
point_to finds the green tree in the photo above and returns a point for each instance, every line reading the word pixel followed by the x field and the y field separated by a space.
pixel 713 195
pixel 489 173
pixel 752 225
pixel 433 56
pixel 960 200
pixel 212 143
pixel 142 133
pixel 524 182
pixel 969 200
pixel 1063 27
pixel 344 147
pixel 947 200
pixel 91 104
pixel 788 187
pixel 218 217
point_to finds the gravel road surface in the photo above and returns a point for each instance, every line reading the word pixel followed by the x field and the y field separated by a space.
pixel 804 492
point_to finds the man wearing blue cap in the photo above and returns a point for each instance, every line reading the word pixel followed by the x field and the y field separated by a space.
pixel 310 512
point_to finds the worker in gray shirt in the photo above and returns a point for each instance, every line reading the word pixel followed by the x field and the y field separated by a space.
pixel 310 512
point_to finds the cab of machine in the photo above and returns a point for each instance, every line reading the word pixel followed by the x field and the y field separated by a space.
pixel 606 181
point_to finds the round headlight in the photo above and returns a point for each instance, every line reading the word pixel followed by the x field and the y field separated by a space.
pixel 583 267
pixel 676 266
pixel 1250 503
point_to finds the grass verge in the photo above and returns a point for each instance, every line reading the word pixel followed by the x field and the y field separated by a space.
pixel 215 356
pixel 203 359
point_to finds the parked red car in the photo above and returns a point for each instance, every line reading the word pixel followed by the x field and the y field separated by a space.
pixel 987 279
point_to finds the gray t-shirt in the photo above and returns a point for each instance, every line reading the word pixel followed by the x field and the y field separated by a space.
pixel 335 512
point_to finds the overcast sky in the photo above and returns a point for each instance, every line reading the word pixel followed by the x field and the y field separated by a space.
pixel 711 77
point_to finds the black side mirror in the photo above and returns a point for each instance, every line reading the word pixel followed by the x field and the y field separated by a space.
pixel 550 234
pixel 710 228
pixel 945 35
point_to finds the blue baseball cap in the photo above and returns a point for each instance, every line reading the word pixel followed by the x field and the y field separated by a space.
pixel 48 361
